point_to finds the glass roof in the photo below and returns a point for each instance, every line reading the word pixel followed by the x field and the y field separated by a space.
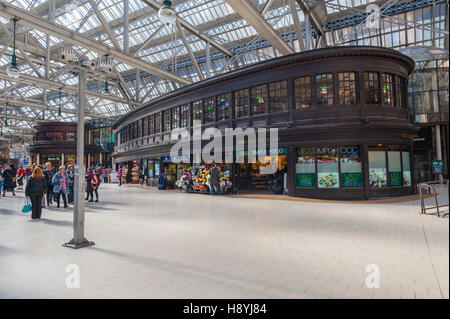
pixel 213 19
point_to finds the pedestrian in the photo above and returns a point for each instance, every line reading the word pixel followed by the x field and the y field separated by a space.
pixel 60 186
pixel 48 174
pixel 162 181
pixel 20 176
pixel 96 180
pixel 28 172
pixel 9 182
pixel 35 189
pixel 214 180
pixel 70 183
pixel 104 174
pixel 89 188
pixel 119 175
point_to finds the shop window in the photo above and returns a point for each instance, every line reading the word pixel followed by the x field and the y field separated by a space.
pixel 145 126
pixel 241 103
pixel 347 88
pixel 210 110
pixel 327 167
pixel 185 118
pixel 224 107
pixel 371 88
pixel 175 117
pixel 377 166
pixel 305 168
pixel 324 89
pixel 197 111
pixel 166 121
pixel 258 99
pixel 303 93
pixel 400 88
pixel 406 160
pixel 395 166
pixel 151 128
pixel 278 96
pixel 351 167
pixel 139 128
pixel 387 82
pixel 157 123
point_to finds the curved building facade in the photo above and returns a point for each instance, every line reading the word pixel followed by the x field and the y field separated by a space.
pixel 55 142
pixel 344 127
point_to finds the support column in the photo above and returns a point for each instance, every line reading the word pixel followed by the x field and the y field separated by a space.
pixel 62 159
pixel 308 32
pixel 78 240
pixel 138 84
pixel 208 60
pixel 88 160
pixel 439 149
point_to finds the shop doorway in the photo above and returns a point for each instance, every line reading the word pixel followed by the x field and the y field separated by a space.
pixel 250 179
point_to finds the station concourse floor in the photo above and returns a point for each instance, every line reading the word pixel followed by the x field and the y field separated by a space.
pixel 152 244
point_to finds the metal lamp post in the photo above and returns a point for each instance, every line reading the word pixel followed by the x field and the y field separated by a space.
pixel 78 240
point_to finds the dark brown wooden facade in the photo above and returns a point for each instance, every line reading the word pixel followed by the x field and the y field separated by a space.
pixel 333 97
pixel 57 138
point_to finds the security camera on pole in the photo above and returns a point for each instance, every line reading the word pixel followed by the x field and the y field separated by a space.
pixel 80 67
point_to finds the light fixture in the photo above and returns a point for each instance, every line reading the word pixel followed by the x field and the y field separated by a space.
pixel 167 14
pixel 12 70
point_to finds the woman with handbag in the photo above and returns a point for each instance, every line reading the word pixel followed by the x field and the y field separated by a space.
pixel 35 190
pixel 9 181
pixel 60 186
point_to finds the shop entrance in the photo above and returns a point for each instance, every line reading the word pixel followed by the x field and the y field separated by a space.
pixel 250 178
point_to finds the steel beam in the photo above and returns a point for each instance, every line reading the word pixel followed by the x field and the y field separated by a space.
pixel 56 86
pixel 248 12
pixel 156 5
pixel 8 11
pixel 105 25
pixel 190 52
pixel 297 24
pixel 39 106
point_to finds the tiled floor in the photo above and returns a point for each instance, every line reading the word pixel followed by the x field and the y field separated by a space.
pixel 153 244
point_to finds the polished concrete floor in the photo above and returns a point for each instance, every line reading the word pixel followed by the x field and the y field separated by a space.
pixel 153 244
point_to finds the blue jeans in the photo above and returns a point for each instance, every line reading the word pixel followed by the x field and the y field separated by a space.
pixel 215 189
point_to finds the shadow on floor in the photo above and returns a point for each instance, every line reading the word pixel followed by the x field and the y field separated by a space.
pixel 6 250
pixel 63 223
pixel 8 212
pixel 190 271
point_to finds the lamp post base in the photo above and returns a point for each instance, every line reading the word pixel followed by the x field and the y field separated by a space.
pixel 85 243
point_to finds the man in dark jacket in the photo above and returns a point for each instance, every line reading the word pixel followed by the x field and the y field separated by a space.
pixel 214 180
pixel 48 175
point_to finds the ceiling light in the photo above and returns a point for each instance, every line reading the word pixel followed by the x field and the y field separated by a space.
pixel 167 14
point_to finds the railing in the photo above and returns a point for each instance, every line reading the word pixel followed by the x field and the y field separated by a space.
pixel 431 189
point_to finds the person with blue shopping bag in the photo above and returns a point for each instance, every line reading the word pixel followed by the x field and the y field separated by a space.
pixel 59 181
pixel 35 189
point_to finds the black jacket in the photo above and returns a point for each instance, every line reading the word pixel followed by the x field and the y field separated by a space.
pixel 35 186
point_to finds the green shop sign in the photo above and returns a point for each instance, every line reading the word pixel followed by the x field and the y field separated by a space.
pixel 395 179
pixel 306 180
pixel 351 179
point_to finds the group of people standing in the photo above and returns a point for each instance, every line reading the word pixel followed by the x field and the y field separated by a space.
pixel 44 185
